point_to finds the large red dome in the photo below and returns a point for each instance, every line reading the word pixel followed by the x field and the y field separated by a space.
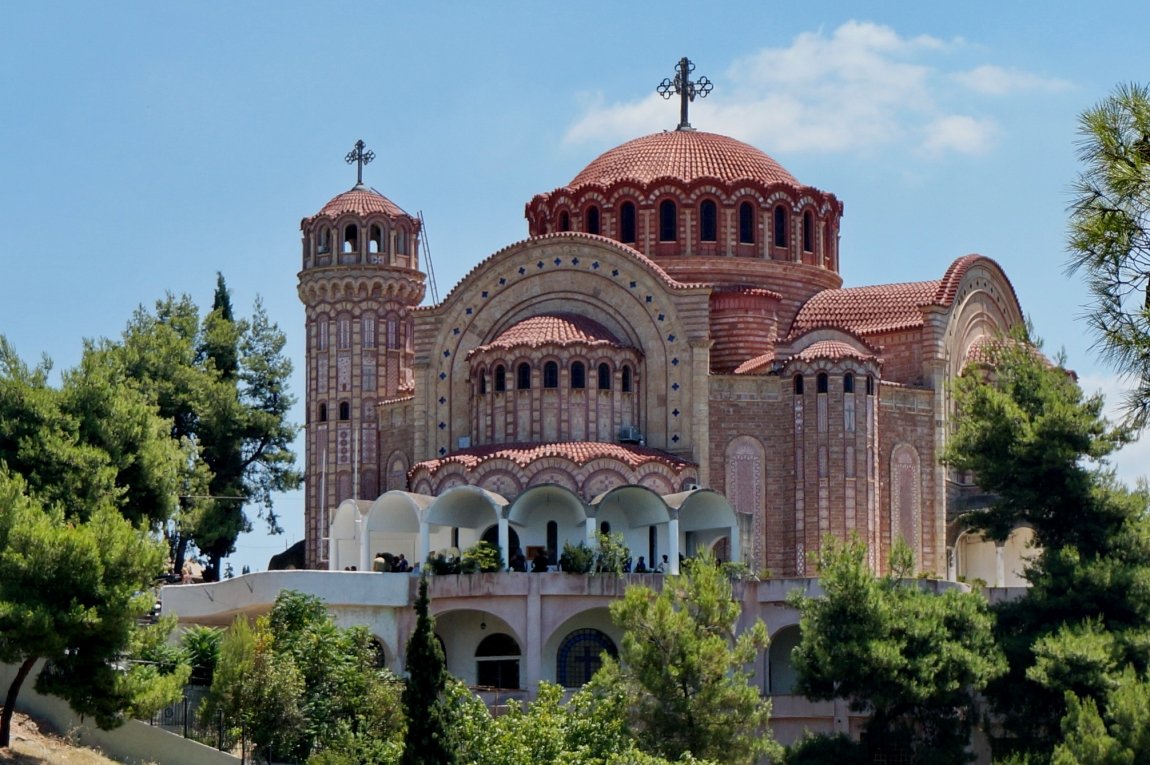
pixel 360 200
pixel 684 155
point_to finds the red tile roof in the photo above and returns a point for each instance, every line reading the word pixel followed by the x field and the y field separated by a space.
pixel 757 364
pixel 832 350
pixel 360 200
pixel 579 452
pixel 684 155
pixel 867 310
pixel 553 329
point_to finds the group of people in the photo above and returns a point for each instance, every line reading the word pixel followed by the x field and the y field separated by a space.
pixel 641 567
pixel 386 562
pixel 518 561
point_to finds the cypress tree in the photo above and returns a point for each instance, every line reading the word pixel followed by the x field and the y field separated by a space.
pixel 426 741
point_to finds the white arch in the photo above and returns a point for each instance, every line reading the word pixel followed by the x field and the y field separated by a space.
pixel 345 536
pixel 706 510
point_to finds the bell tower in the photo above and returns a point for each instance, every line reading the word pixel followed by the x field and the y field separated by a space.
pixel 359 282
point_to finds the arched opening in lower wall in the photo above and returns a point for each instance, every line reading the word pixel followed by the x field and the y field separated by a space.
pixel 580 656
pixel 983 560
pixel 781 673
pixel 497 662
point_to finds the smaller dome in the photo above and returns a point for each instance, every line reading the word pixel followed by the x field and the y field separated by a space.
pixel 685 155
pixel 360 200
pixel 553 329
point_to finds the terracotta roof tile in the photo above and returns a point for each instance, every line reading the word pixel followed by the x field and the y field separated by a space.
pixel 553 329
pixel 867 310
pixel 684 155
pixel 360 200
pixel 832 350
pixel 757 364
pixel 579 452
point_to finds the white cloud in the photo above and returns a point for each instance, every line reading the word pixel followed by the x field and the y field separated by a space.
pixel 958 133
pixel 994 80
pixel 863 87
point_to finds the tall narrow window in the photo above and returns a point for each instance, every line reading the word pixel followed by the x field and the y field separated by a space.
pixel 708 221
pixel 500 379
pixel 482 382
pixel 367 330
pixel 869 385
pixel 400 242
pixel 343 331
pixel 551 375
pixel 627 378
pixel 808 232
pixel 668 220
pixel 592 220
pixel 523 376
pixel 350 238
pixel 604 377
pixel 323 412
pixel 375 241
pixel 798 385
pixel 323 241
pixel 848 383
pixel 392 340
pixel 627 223
pixel 578 375
pixel 746 223
pixel 780 226
pixel 344 410
pixel 821 383
pixel 564 221
pixel 552 538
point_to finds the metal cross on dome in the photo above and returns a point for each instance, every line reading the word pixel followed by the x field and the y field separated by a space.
pixel 685 88
pixel 361 158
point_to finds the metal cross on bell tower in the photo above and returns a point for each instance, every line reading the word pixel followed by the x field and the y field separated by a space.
pixel 361 158
pixel 685 88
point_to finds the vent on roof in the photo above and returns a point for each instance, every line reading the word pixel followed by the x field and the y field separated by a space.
pixel 629 434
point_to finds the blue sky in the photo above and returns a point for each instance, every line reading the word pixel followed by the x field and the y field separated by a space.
pixel 146 146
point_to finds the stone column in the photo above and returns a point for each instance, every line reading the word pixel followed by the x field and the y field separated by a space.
pixel 673 544
pixel 504 540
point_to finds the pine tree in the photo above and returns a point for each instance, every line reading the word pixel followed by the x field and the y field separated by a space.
pixel 427 741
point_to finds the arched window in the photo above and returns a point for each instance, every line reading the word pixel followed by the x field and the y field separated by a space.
pixel 523 376
pixel 627 378
pixel 592 220
pixel 578 375
pixel 668 220
pixel 551 375
pixel 564 221
pixel 798 385
pixel 780 226
pixel 653 547
pixel 375 241
pixel 497 661
pixel 482 381
pixel 344 410
pixel 351 238
pixel 746 223
pixel 580 656
pixel 869 385
pixel 323 241
pixel 400 242
pixel 848 383
pixel 500 379
pixel 708 221
pixel 323 412
pixel 821 383
pixel 552 539
pixel 783 675
pixel 605 527
pixel 808 231
pixel 604 376
pixel 627 223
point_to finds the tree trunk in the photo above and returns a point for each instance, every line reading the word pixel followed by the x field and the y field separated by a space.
pixel 10 701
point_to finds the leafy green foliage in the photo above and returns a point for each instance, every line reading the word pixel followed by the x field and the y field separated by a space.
pixel 201 646
pixel 682 678
pixel 221 383
pixel 609 556
pixel 1118 735
pixel 911 657
pixel 428 736
pixel 482 557
pixel 1109 241
pixel 1038 445
pixel 71 592
pixel 299 685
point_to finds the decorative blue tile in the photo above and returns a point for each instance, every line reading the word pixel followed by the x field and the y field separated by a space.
pixel 522 270
pixel 446 353
pixel 574 261
pixel 484 294
pixel 455 330
pixel 634 285
pixel 674 386
pixel 675 438
pixel 595 265
pixel 539 264
pixel 675 361
pixel 661 317
pixel 470 311
pixel 558 261
pixel 649 298
pixel 442 400
pixel 675 413
pixel 442 451
pixel 502 280
pixel 443 375
pixel 443 426
pixel 670 338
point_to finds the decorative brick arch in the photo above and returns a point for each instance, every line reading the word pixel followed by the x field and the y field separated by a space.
pixel 906 498
pixel 745 484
